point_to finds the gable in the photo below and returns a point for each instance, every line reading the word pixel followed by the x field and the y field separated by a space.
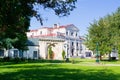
pixel 72 27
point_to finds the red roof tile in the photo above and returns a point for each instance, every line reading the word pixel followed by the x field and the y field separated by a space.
pixel 52 28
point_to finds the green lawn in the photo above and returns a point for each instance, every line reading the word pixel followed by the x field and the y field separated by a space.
pixel 58 70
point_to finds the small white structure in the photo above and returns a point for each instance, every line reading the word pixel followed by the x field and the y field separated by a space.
pixel 114 54
pixel 13 53
pixel 33 49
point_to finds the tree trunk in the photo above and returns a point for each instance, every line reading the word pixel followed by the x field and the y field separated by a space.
pixel 101 57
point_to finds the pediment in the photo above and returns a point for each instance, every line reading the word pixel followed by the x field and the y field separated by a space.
pixel 72 27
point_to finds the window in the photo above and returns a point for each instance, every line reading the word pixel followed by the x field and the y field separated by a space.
pixel 80 47
pixel 15 53
pixel 66 33
pixel 72 51
pixel 1 53
pixel 72 43
pixel 34 54
pixel 88 54
pixel 76 34
pixel 40 32
pixel 77 44
pixel 71 33
pixel 20 54
pixel 32 34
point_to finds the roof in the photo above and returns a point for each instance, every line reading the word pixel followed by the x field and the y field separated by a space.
pixel 33 42
pixel 54 39
pixel 52 28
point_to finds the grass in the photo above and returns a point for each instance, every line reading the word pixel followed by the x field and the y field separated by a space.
pixel 58 70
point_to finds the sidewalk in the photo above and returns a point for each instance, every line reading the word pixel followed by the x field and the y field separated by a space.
pixel 97 64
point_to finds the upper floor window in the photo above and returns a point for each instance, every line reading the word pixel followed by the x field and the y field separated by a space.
pixel 77 44
pixel 66 33
pixel 76 34
pixel 40 32
pixel 71 33
pixel 72 43
pixel 32 34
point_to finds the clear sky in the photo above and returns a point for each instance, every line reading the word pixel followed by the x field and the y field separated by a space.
pixel 86 12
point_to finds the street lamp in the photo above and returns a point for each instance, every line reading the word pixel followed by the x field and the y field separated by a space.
pixel 97 54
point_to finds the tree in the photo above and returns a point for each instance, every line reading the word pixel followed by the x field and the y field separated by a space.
pixel 15 18
pixel 105 32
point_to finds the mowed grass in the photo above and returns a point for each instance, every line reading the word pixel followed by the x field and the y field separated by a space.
pixel 58 70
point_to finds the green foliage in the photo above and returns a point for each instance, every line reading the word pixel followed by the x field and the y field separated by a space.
pixel 63 54
pixel 60 7
pixel 106 32
pixel 15 18
pixel 50 52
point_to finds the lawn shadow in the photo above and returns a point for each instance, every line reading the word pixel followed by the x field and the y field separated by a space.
pixel 32 61
pixel 54 72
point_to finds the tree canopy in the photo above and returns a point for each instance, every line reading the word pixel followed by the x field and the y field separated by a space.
pixel 105 32
pixel 15 18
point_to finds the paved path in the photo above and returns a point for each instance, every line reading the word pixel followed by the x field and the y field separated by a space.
pixel 99 64
pixel 96 64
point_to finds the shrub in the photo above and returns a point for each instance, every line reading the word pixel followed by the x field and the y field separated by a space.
pixel 63 54
pixel 50 53
pixel 23 59
pixel 16 60
pixel 6 59
pixel 1 59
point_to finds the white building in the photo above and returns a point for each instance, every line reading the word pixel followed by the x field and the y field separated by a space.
pixel 61 37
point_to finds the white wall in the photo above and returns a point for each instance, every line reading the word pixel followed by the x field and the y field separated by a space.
pixel 58 50
pixel 29 53
pixel 43 49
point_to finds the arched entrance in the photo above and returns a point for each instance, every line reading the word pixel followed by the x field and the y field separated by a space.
pixel 56 47
pixel 50 51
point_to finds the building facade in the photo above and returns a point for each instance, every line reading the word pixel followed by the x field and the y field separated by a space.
pixel 62 37
pixel 59 38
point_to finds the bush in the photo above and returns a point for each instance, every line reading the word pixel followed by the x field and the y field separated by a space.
pixel 6 59
pixel 50 53
pixel 16 60
pixel 67 60
pixel 63 54
pixel 23 59
pixel 1 59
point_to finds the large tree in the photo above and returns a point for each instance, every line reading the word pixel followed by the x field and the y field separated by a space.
pixel 15 18
pixel 105 32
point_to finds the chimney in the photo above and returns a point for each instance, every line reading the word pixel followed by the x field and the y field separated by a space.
pixel 56 26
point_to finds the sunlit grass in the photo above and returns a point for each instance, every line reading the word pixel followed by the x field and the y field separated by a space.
pixel 93 60
pixel 59 70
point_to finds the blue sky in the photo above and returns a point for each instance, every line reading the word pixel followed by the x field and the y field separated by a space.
pixel 86 12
